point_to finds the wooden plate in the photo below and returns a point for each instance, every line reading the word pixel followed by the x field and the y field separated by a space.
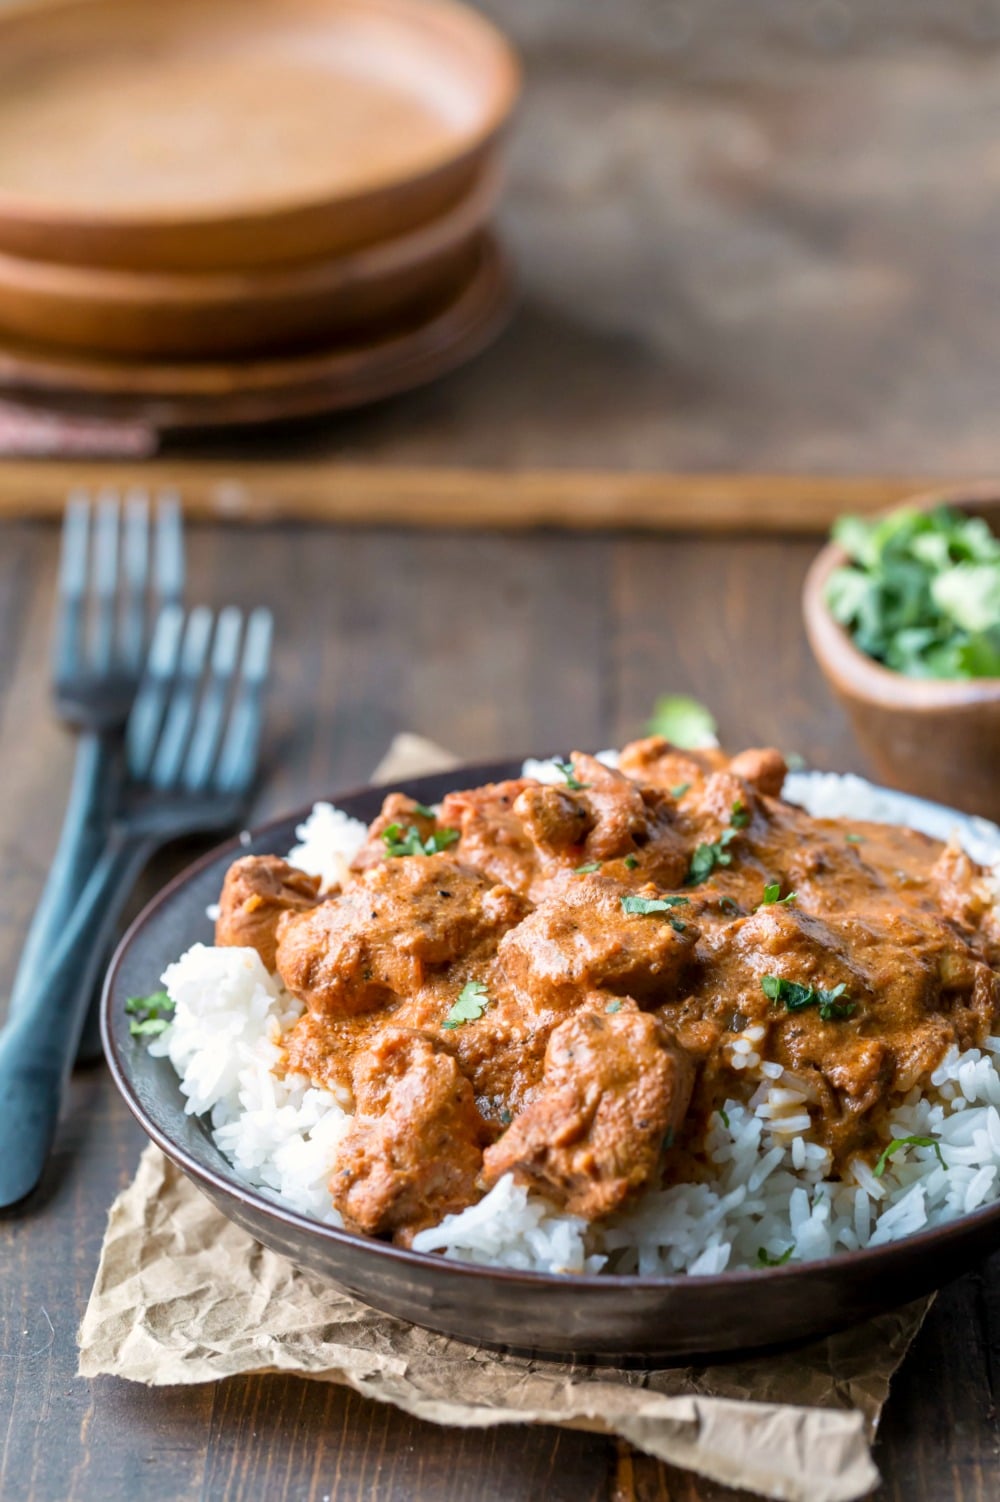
pixel 210 394
pixel 227 133
pixel 185 314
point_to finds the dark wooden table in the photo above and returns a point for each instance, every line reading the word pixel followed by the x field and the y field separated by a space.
pixel 490 644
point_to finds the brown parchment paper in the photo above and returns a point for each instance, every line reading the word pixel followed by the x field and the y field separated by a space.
pixel 182 1295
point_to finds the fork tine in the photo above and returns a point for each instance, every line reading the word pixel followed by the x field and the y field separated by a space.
pixel 180 711
pixel 204 744
pixel 143 727
pixel 135 561
pixel 169 549
pixel 73 561
pixel 237 763
pixel 104 576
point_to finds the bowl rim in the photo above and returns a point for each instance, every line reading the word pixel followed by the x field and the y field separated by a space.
pixel 227 1183
pixel 863 677
pixel 453 18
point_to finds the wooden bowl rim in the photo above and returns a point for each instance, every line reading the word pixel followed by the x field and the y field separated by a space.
pixel 451 17
pixel 860 675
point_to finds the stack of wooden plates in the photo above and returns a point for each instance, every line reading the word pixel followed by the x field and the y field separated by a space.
pixel 218 211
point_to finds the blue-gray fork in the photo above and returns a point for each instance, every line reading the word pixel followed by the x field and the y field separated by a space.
pixel 122 561
pixel 190 764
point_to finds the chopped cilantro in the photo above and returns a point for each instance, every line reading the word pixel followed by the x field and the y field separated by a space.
pixel 470 1006
pixel 572 781
pixel 408 842
pixel 643 905
pixel 586 870
pixel 764 1258
pixel 680 790
pixel 424 812
pixel 631 861
pixel 740 816
pixel 682 721
pixel 150 1014
pixel 614 1006
pixel 729 906
pixel 771 894
pixel 724 1118
pixel 854 839
pixel 707 856
pixel 921 592
pixel 898 1142
pixel 506 1117
pixel 797 997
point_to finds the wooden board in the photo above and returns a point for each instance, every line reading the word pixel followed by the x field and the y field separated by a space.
pixel 441 633
pixel 580 500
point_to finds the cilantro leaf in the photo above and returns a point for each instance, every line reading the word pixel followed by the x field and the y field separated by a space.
pixel 643 905
pixel 680 790
pixel 424 811
pixel 682 721
pixel 796 997
pixel 586 870
pixel 614 1006
pixel 409 842
pixel 898 1142
pixel 150 1014
pixel 772 894
pixel 740 817
pixel 572 781
pixel 470 1006
pixel 764 1258
pixel 729 906
pixel 631 861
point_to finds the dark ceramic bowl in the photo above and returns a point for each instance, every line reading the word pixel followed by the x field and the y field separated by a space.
pixel 603 1318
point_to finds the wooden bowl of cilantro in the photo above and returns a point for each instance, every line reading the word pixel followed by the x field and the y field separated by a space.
pixel 903 615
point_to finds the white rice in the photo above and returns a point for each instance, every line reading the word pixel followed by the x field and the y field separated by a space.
pixel 770 1197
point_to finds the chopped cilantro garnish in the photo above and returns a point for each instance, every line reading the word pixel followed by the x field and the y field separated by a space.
pixel 506 1117
pixel 682 721
pixel 772 894
pixel 150 1014
pixel 797 997
pixel 631 861
pixel 408 842
pixel 854 839
pixel 424 812
pixel 613 1006
pixel 921 592
pixel 764 1258
pixel 640 906
pixel 680 790
pixel 707 856
pixel 586 870
pixel 470 1006
pixel 724 1118
pixel 740 816
pixel 729 906
pixel 572 781
pixel 898 1142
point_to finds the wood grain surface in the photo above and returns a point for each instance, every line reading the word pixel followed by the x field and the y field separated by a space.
pixel 323 490
pixel 491 644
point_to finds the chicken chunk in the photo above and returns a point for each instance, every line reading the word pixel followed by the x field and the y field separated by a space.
pixel 379 939
pixel 400 816
pixel 613 1094
pixel 413 1151
pixel 582 938
pixel 256 894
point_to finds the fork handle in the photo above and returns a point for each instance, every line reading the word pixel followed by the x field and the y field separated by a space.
pixel 37 1046
pixel 81 840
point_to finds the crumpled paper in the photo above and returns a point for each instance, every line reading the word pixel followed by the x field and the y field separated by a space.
pixel 182 1295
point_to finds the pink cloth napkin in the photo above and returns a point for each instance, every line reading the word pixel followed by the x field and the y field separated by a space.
pixel 31 432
